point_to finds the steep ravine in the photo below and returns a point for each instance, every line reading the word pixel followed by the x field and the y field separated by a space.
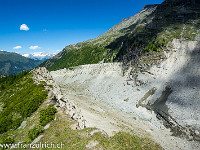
pixel 170 92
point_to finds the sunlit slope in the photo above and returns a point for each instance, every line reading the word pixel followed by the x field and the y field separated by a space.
pixel 147 32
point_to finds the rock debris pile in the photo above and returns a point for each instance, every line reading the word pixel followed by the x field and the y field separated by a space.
pixel 42 75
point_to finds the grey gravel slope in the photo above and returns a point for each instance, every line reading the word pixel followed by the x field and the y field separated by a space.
pixel 180 72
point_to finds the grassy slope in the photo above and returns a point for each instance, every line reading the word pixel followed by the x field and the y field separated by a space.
pixel 91 51
pixel 18 101
pixel 141 34
pixel 60 132
pixel 88 52
pixel 13 63
pixel 24 101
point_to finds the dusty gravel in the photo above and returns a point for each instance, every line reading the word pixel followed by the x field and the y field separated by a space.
pixel 108 99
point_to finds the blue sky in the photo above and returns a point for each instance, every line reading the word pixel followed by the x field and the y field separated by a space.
pixel 50 25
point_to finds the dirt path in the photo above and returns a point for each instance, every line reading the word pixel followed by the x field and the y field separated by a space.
pixel 102 116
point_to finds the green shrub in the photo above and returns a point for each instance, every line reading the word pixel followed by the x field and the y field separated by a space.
pixel 33 133
pixel 154 46
pixel 19 100
pixel 9 80
pixel 8 140
pixel 125 141
pixel 5 139
pixel 46 115
pixel 88 54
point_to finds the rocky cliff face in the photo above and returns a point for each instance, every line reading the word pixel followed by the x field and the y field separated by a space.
pixel 176 99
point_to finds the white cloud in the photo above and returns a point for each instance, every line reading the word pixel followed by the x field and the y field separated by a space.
pixel 24 27
pixel 26 55
pixel 2 50
pixel 40 55
pixel 17 47
pixel 34 47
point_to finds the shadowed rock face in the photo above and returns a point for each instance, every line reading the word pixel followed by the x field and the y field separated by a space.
pixel 160 107
pixel 160 104
pixel 161 110
pixel 176 102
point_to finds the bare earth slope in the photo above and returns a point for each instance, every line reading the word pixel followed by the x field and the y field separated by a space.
pixel 163 103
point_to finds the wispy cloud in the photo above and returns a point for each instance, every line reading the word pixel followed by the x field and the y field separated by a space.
pixel 44 30
pixel 34 47
pixel 24 27
pixel 17 47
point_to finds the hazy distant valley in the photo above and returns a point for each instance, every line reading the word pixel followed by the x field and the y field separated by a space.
pixel 13 63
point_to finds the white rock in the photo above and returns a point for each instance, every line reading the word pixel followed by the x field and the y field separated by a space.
pixel 196 132
pixel 47 126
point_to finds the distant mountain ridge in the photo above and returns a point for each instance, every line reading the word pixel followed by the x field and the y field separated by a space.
pixel 13 63
pixel 39 55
